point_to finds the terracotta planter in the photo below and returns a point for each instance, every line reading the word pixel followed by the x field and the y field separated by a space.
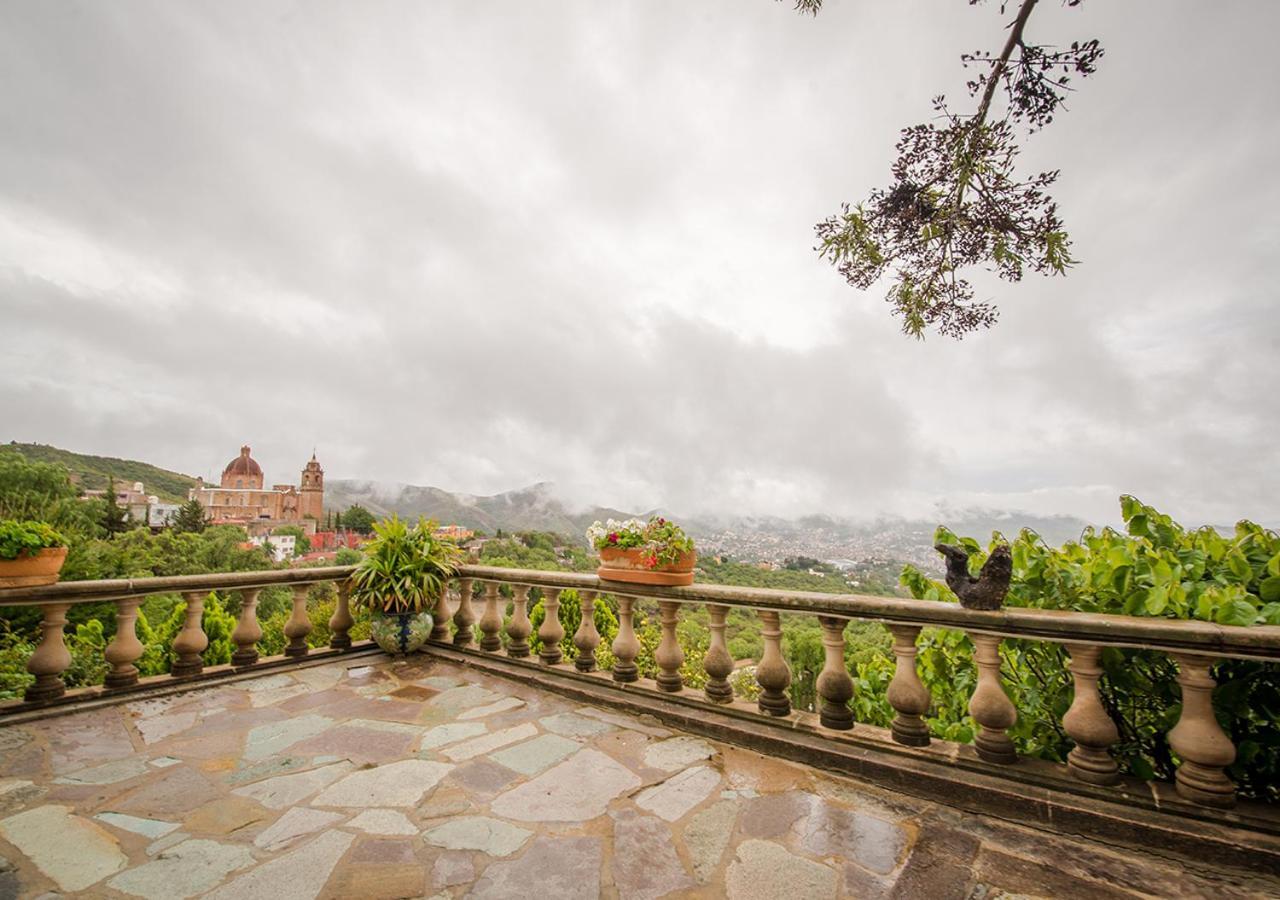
pixel 31 571
pixel 625 565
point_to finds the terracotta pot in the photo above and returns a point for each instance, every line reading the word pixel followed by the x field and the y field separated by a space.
pixel 625 565
pixel 32 571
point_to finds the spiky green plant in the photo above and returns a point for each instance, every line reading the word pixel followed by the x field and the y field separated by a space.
pixel 405 568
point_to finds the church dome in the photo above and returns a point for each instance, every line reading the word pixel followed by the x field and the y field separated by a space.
pixel 243 464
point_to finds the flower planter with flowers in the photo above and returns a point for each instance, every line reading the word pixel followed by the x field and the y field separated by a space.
pixel 654 552
pixel 31 554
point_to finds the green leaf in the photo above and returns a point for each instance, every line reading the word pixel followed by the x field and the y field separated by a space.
pixel 1236 612
pixel 1269 590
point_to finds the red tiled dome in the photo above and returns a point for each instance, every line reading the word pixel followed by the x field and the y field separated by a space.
pixel 243 465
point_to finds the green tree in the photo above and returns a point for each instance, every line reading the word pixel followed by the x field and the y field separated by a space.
pixel 190 518
pixel 347 557
pixel 956 201
pixel 115 519
pixel 358 519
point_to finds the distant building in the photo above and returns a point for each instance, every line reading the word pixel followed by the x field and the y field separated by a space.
pixel 332 540
pixel 161 515
pixel 241 499
pixel 455 533
pixel 283 546
pixel 133 499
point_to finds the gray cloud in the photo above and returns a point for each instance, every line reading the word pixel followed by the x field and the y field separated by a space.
pixel 478 247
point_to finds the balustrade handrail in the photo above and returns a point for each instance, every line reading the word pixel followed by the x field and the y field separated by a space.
pixel 1061 626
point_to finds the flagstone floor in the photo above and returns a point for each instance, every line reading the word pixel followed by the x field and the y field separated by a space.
pixel 380 779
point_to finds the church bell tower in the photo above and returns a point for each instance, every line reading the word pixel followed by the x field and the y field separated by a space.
pixel 312 490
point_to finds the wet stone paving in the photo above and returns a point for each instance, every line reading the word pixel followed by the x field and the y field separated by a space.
pixel 382 779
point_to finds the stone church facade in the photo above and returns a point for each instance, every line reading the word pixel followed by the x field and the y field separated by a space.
pixel 241 497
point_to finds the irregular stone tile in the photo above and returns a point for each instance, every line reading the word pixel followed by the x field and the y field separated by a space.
pixel 157 728
pixel 277 695
pixel 864 885
pixel 164 762
pixel 773 815
pixel 491 836
pixel 172 795
pixel 15 793
pixel 319 678
pixel 366 674
pixel 533 756
pixel 469 696
pixel 188 869
pixel 443 735
pixel 292 825
pixel 870 841
pixel 13 737
pixel 567 868
pixel 383 708
pixel 577 789
pixel 762 870
pixel 378 725
pixel 501 706
pixel 107 773
pixel 383 821
pixel 73 852
pixel 384 851
pixel 224 815
pixel 286 790
pixel 447 801
pixel 571 725
pixel 453 868
pixel 706 837
pixel 328 700
pixel 267 683
pixel 645 864
pixel 680 793
pixel 413 692
pixel 439 682
pixel 299 875
pixel 152 828
pixel 395 784
pixel 169 840
pixel 1016 875
pixel 86 738
pixel 381 881
pixel 360 745
pixel 745 794
pixel 635 724
pixel 267 740
pixel 490 742
pixel 482 778
pixel 674 754
pixel 277 765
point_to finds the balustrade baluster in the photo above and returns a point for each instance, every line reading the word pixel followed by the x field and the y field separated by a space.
pixel 440 633
pixel 519 629
pixel 907 695
pixel 990 706
pixel 248 632
pixel 125 648
pixel 1087 722
pixel 772 673
pixel 835 687
pixel 625 646
pixel 586 638
pixel 299 624
pixel 717 662
pixel 1198 739
pixel 51 656
pixel 669 656
pixel 341 621
pixel 491 621
pixel 464 617
pixel 551 632
pixel 191 640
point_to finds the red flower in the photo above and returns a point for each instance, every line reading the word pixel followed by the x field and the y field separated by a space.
pixel 613 537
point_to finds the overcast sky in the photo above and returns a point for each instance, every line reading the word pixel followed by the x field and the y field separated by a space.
pixel 479 245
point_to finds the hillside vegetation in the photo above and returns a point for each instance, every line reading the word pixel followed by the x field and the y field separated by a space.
pixel 94 472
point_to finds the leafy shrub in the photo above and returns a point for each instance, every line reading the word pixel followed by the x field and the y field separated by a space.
pixel 26 537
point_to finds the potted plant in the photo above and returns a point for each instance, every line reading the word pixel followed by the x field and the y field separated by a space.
pixel 401 578
pixel 31 553
pixel 653 552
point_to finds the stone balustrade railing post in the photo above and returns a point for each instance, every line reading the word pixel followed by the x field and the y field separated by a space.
pixel 491 620
pixel 191 640
pixel 586 638
pixel 1198 739
pixel 125 648
pixel 717 662
pixel 772 672
pixel 626 647
pixel 341 621
pixel 835 687
pixel 1087 722
pixel 669 656
pixel 907 694
pixel 248 631
pixel 990 706
pixel 519 629
pixel 464 617
pixel 51 656
pixel 299 624
pixel 440 633
pixel 551 632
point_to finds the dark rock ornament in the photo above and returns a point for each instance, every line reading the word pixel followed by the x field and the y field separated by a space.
pixel 988 590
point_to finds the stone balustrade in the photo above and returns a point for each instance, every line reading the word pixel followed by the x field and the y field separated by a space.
pixel 1204 751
